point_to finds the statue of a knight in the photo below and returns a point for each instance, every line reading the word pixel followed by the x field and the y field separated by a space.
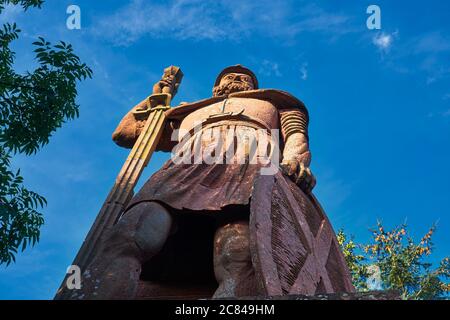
pixel 201 228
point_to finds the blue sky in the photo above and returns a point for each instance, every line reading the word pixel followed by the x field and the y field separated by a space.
pixel 379 102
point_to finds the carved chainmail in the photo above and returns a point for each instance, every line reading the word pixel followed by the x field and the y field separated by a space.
pixel 293 121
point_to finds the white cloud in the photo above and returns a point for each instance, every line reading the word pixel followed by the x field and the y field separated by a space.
pixel 28 262
pixel 218 20
pixel 425 53
pixel 445 114
pixel 433 42
pixel 383 41
pixel 269 68
pixel 304 71
pixel 433 50
pixel 10 13
pixel 314 18
pixel 183 19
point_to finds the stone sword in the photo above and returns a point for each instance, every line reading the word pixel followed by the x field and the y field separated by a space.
pixel 122 190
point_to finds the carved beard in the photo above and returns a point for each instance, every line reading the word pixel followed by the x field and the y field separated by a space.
pixel 230 87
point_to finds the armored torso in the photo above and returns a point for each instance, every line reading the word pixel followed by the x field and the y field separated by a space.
pixel 262 111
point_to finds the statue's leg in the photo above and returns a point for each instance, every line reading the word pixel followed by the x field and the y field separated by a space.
pixel 232 261
pixel 138 236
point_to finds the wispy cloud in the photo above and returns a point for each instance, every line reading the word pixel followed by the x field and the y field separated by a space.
pixel 218 20
pixel 425 53
pixel 433 48
pixel 28 262
pixel 304 71
pixel 314 18
pixel 270 68
pixel 332 190
pixel 445 114
pixel 181 19
pixel 383 41
pixel 10 13
pixel 433 42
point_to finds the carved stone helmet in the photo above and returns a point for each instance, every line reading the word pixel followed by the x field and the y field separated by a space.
pixel 237 69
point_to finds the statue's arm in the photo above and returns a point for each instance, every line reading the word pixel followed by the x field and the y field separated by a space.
pixel 130 128
pixel 296 153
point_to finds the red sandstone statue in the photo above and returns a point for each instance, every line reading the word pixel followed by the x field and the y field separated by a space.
pixel 221 229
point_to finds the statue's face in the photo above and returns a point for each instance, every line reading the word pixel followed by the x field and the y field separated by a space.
pixel 233 82
pixel 237 79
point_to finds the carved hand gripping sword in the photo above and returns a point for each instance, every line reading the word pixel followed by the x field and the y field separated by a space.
pixel 122 191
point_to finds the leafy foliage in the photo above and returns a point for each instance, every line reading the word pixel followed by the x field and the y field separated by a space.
pixel 355 262
pixel 19 220
pixel 32 107
pixel 401 262
pixel 24 3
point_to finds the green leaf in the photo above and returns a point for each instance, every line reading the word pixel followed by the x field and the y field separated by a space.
pixel 33 105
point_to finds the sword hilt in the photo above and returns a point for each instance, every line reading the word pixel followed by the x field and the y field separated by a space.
pixel 162 94
pixel 173 75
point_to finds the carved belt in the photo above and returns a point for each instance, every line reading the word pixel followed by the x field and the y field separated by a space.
pixel 237 117
pixel 221 119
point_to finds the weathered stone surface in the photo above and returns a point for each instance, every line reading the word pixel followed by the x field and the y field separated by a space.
pixel 294 248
